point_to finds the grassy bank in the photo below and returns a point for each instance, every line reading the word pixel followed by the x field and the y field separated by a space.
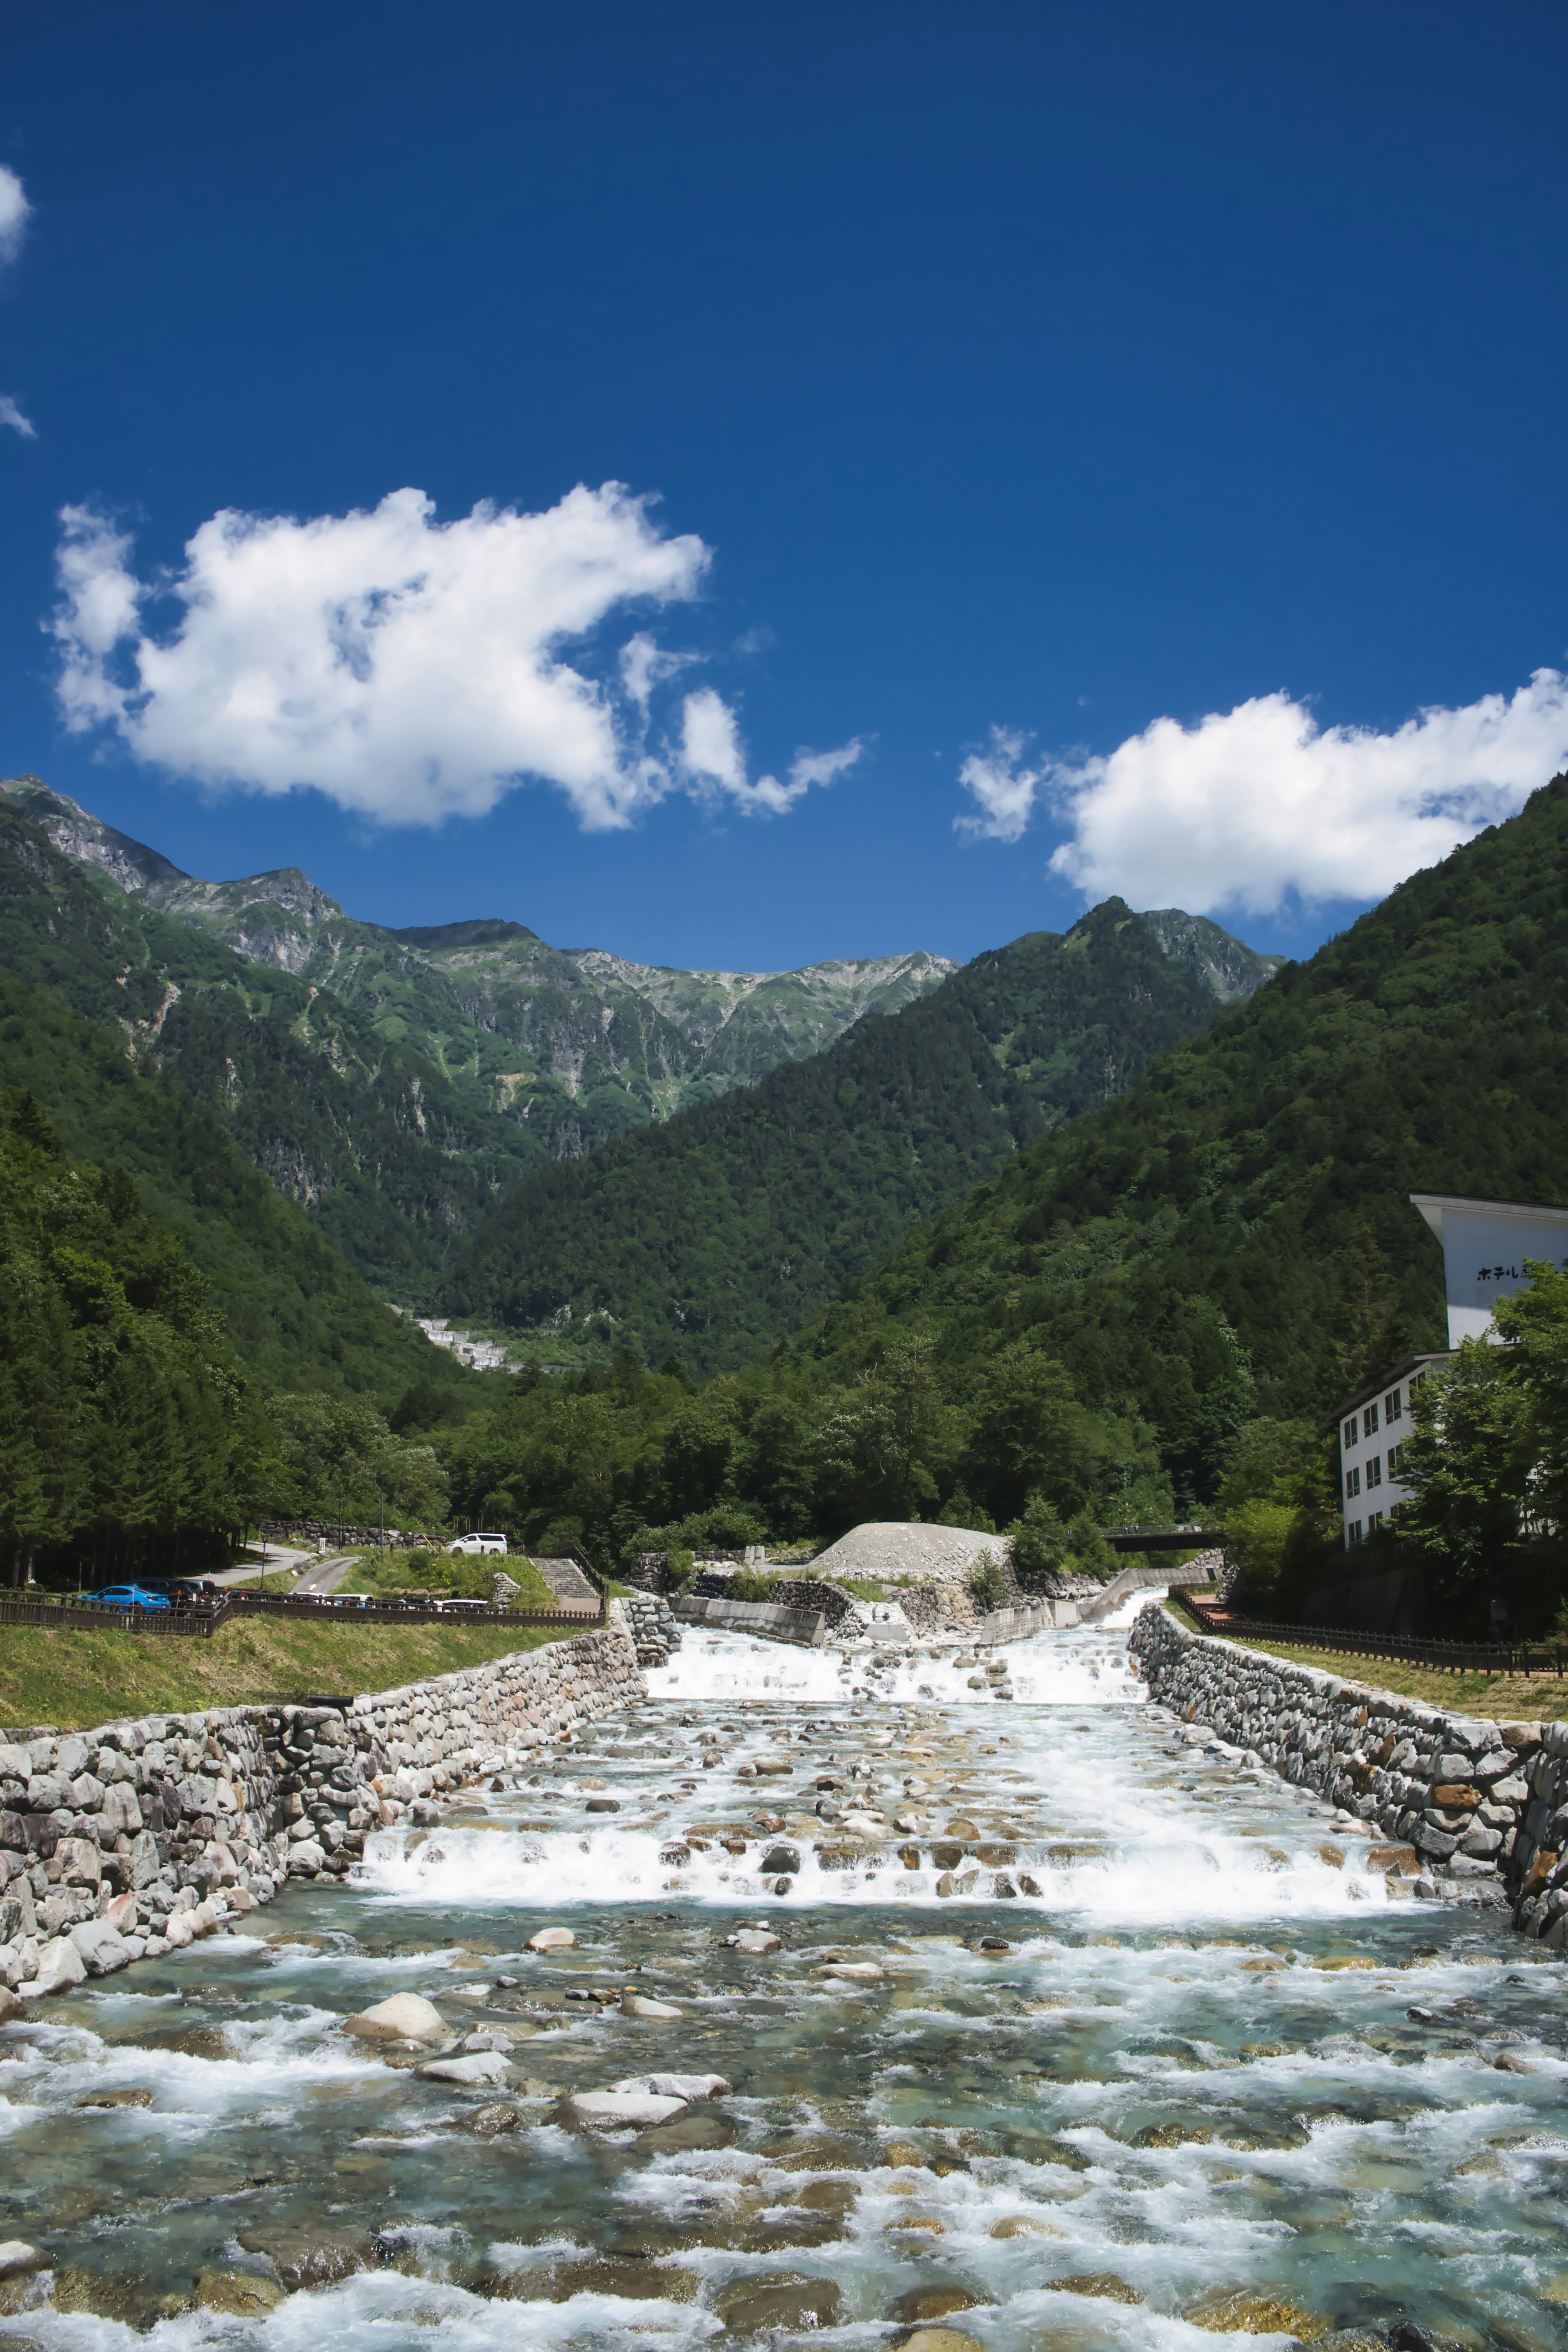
pixel 72 1679
pixel 1507 1698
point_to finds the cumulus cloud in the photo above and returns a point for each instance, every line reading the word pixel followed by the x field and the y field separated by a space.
pixel 15 211
pixel 410 669
pixel 1253 805
pixel 713 760
pixel 12 416
pixel 1003 786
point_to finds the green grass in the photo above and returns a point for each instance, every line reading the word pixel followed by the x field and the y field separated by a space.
pixel 72 1679
pixel 1506 1698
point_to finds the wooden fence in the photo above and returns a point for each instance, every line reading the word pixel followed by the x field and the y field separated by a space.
pixel 1449 1657
pixel 202 1618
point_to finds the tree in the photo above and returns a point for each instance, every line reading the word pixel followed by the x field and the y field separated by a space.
pixel 1469 1462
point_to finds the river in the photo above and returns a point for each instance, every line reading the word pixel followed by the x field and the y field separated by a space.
pixel 1200 2069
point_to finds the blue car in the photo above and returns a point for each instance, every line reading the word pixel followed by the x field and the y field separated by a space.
pixel 129 1596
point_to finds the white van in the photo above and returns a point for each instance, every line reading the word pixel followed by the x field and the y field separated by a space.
pixel 480 1543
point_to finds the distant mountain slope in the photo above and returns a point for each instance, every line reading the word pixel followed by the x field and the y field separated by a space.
pixel 296 1316
pixel 570 1046
pixel 388 1157
pixel 1220 1241
pixel 718 1233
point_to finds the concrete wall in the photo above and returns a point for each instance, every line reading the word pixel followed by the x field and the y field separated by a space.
pixel 123 1842
pixel 1477 1807
pixel 804 1628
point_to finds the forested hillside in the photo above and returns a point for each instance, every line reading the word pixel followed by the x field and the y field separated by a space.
pixel 296 1316
pixel 124 1419
pixel 385 1155
pixel 1233 1238
pixel 717 1234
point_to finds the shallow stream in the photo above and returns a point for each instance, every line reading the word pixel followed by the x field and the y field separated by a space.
pixel 1200 2068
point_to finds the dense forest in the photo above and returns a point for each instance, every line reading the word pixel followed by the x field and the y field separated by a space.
pixel 127 1426
pixel 717 1234
pixel 295 1313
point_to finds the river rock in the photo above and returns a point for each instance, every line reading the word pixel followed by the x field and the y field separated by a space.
pixel 129 2098
pixel 307 1860
pixel 17 2258
pixel 480 2066
pixel 551 1940
pixel 406 2016
pixel 928 2302
pixel 303 2260
pixel 10 2005
pixel 673 2087
pixel 1105 2284
pixel 622 2110
pixel 60 1965
pixel 604 1804
pixel 1232 2310
pixel 782 2299
pixel 239 2293
pixel 852 1971
pixel 755 1941
pixel 103 1949
pixel 637 2004
pixel 940 2339
pixel 780 1857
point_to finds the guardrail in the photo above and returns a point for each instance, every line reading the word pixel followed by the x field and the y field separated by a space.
pixel 1450 1657
pixel 201 1618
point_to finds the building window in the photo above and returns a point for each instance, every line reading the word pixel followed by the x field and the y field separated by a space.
pixel 1352 1483
pixel 1415 1382
pixel 1374 1473
pixel 1352 1431
pixel 1375 1519
pixel 1394 1452
pixel 1353 1532
pixel 1391 1408
pixel 1369 1421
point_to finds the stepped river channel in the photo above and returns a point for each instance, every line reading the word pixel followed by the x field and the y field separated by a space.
pixel 1122 2044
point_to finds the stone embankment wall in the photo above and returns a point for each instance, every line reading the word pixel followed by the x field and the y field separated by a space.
pixel 654 1630
pixel 1471 1800
pixel 124 1841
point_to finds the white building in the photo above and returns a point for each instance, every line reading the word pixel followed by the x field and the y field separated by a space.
pixel 1485 1245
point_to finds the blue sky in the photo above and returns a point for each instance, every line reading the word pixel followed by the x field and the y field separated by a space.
pixel 1050 371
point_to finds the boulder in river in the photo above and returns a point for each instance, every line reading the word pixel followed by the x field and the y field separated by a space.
pixel 17 2258
pixel 637 2004
pixel 479 2066
pixel 755 1941
pixel 551 1940
pixel 101 1947
pixel 406 2016
pixel 781 1857
pixel 239 2293
pixel 60 1965
pixel 779 2299
pixel 674 2087
pixel 622 2110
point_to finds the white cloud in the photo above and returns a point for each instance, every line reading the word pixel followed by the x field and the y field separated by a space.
pixel 1253 803
pixel 12 416
pixel 714 761
pixel 410 669
pixel 1003 787
pixel 15 211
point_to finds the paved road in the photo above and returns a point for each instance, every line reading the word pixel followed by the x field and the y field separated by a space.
pixel 317 1575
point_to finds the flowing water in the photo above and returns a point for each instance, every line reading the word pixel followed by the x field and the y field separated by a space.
pixel 1199 2069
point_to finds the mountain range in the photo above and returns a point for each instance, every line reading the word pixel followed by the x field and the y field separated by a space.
pixel 475 1119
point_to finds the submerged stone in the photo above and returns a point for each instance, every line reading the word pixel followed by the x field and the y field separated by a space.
pixel 782 2299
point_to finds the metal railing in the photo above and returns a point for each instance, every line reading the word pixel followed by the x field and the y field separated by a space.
pixel 1451 1657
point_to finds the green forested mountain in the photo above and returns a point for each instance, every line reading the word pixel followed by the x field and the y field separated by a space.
pixel 564 1047
pixel 1232 1238
pixel 295 1314
pixel 718 1233
pixel 124 1418
pixel 388 1157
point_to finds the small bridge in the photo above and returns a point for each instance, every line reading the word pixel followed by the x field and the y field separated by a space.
pixel 1183 1538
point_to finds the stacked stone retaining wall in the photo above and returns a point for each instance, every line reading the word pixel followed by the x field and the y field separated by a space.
pixel 132 1839
pixel 1477 1805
